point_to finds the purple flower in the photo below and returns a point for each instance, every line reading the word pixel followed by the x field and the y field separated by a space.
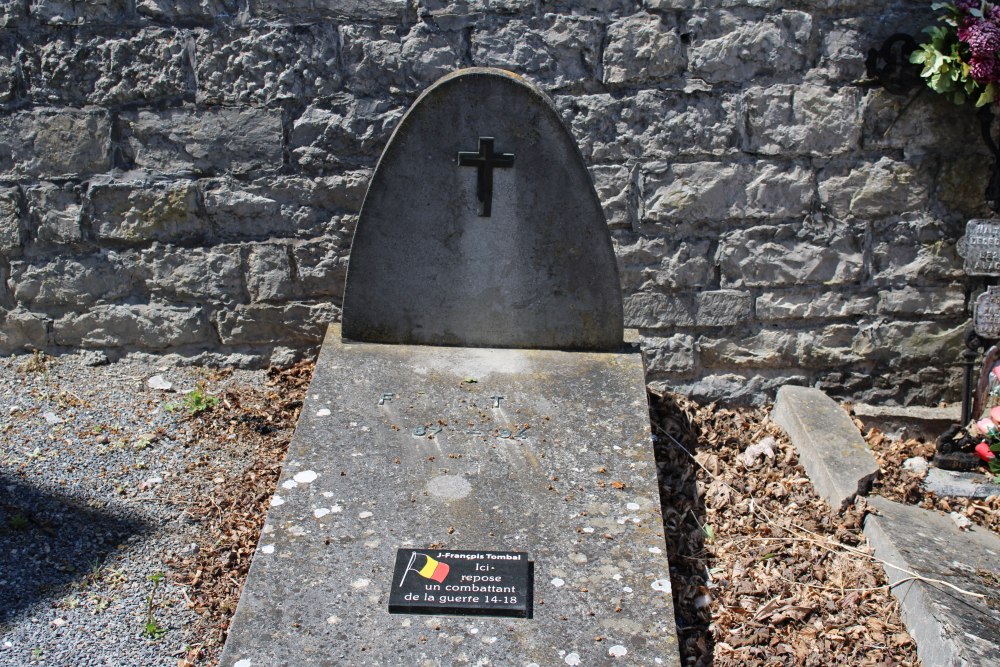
pixel 966 6
pixel 984 69
pixel 983 38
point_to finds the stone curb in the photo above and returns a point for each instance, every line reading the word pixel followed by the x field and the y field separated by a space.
pixel 927 423
pixel 960 484
pixel 831 449
pixel 948 628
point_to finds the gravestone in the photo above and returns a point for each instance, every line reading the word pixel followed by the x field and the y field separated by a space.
pixel 472 478
pixel 981 248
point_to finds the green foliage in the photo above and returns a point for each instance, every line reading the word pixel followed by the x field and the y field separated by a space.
pixel 195 401
pixel 945 61
pixel 18 522
pixel 152 628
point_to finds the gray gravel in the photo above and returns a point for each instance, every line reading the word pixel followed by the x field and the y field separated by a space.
pixel 93 488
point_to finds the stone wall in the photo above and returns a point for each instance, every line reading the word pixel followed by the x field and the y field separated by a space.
pixel 184 177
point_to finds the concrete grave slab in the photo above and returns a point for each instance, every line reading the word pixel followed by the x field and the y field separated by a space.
pixel 480 230
pixel 949 627
pixel 960 484
pixel 925 423
pixel 830 446
pixel 542 452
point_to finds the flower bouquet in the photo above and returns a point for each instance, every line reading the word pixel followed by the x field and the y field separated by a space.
pixel 962 58
pixel 987 430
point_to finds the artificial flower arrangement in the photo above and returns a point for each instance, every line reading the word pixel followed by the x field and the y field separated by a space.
pixel 962 58
pixel 988 428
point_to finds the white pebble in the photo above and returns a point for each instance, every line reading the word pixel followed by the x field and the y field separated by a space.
pixel 662 585
pixel 364 515
pixel 305 477
pixel 557 582
pixel 321 512
pixel 289 484
pixel 632 507
pixel 267 549
pixel 960 520
pixel 572 659
pixel 617 651
pixel 323 412
pixel 277 500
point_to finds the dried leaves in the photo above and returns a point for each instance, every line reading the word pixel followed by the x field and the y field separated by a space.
pixel 763 571
pixel 251 431
pixel 903 486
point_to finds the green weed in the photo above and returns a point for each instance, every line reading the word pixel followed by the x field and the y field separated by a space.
pixel 195 401
pixel 153 629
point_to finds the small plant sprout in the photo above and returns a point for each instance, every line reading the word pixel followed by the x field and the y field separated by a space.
pixel 195 401
pixel 153 629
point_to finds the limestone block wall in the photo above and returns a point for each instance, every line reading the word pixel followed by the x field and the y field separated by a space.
pixel 184 177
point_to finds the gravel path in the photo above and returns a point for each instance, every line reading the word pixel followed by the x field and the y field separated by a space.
pixel 96 468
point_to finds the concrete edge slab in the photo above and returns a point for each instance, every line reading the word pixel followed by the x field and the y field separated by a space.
pixel 933 646
pixel 948 626
pixel 960 484
pixel 831 449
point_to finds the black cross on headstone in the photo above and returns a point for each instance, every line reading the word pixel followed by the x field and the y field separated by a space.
pixel 485 161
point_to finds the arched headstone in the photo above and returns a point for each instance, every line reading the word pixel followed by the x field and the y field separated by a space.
pixel 481 227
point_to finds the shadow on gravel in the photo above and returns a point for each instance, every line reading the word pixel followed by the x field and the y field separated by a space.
pixel 48 541
pixel 684 524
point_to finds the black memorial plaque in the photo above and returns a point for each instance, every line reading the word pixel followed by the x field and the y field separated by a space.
pixel 981 248
pixel 462 583
pixel 987 315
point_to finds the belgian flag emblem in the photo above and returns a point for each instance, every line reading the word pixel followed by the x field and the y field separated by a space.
pixel 426 567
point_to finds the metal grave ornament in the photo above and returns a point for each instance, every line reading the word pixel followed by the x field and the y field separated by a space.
pixel 981 248
pixel 457 582
pixel 987 314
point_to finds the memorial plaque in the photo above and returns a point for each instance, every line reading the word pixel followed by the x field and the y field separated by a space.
pixel 981 248
pixel 461 583
pixel 987 316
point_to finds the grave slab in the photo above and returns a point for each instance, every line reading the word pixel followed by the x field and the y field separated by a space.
pixel 960 484
pixel 926 423
pixel 447 449
pixel 949 627
pixel 830 446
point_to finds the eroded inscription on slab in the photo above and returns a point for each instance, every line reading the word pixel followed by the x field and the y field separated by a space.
pixel 982 248
pixel 467 583
pixel 987 316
